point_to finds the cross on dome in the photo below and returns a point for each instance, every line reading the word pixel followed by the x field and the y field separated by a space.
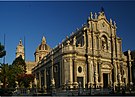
pixel 43 40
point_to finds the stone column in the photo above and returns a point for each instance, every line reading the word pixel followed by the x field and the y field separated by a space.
pixel 130 70
pixel 96 73
pixel 39 79
pixel 52 76
pixel 60 73
pixel 115 75
pixel 66 70
pixel 75 72
pixel 45 85
pixel 91 73
pixel 71 73
pixel 100 75
pixel 95 78
pixel 110 78
pixel 130 73
pixel 63 72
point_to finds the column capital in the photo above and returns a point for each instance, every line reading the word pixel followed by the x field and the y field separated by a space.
pixel 99 61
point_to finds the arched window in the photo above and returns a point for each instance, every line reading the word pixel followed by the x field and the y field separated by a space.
pixel 104 44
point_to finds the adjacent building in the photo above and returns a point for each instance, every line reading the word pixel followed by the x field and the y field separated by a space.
pixel 41 51
pixel 92 55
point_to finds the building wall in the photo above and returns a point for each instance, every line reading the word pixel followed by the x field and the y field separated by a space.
pixel 29 66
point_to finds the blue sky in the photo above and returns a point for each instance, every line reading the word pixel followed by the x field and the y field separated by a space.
pixel 56 20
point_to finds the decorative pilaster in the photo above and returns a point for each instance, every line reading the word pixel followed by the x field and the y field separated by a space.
pixel 130 65
pixel 39 79
pixel 130 73
pixel 115 75
pixel 45 85
pixel 62 71
pixel 96 73
pixel 71 72
pixel 75 72
pixel 52 75
pixel 100 75
pixel 91 72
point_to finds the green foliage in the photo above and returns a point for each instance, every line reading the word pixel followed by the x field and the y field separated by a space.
pixel 25 79
pixel 9 73
pixel 2 51
pixel 4 74
pixel 14 71
pixel 19 63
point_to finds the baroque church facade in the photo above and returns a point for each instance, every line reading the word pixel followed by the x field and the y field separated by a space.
pixel 91 56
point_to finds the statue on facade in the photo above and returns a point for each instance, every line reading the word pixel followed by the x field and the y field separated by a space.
pixel 53 86
pixel 103 44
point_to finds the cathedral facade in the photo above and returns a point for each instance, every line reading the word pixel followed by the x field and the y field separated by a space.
pixel 92 56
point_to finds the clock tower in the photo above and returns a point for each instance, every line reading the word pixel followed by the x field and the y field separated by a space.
pixel 20 50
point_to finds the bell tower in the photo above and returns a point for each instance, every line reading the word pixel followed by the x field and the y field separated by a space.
pixel 20 50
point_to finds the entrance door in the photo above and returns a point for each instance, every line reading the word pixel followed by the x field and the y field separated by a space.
pixel 80 79
pixel 105 80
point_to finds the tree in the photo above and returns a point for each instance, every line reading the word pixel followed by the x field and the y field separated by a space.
pixel 14 71
pixel 2 51
pixel 20 63
pixel 25 79
pixel 4 68
pixel 5 72
pixel 9 73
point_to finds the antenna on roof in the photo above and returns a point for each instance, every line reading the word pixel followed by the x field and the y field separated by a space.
pixel 24 48
pixel 4 48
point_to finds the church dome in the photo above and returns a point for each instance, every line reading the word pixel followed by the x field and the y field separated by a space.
pixel 42 50
pixel 43 46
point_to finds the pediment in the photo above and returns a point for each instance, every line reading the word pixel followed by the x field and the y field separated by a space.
pixel 107 66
